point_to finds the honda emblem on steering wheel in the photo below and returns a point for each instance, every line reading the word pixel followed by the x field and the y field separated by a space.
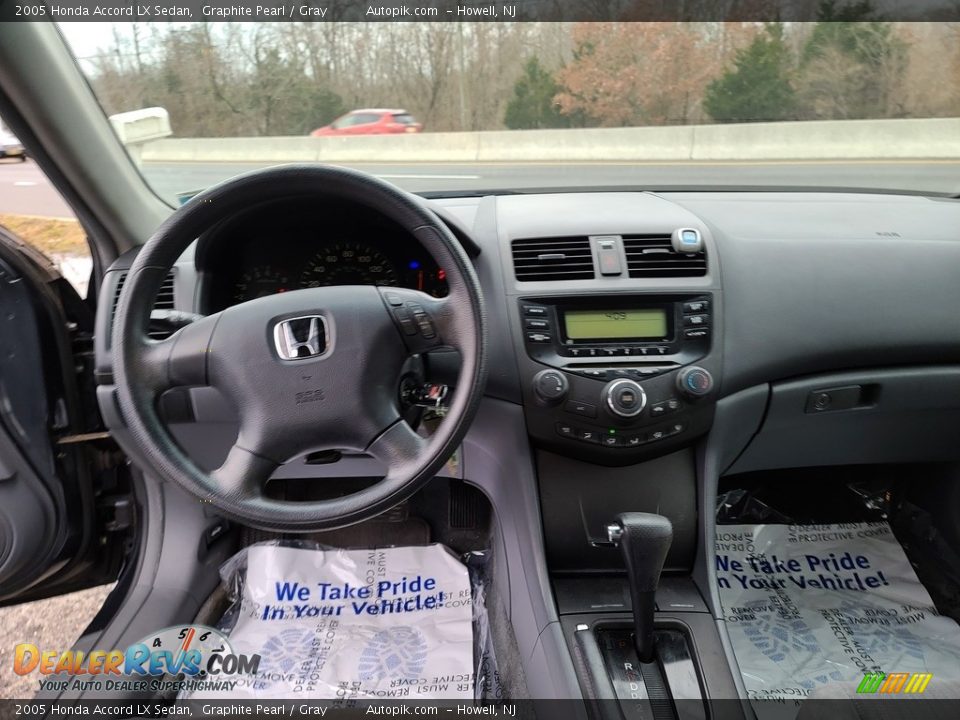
pixel 300 338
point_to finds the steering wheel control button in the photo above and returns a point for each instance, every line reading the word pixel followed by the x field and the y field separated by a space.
pixel 426 327
pixel 407 324
pixel 695 381
pixel 550 386
pixel 394 299
pixel 625 398
pixel 422 320
pixel 581 408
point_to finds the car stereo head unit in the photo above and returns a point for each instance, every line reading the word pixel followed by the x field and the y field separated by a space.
pixel 560 330
pixel 614 325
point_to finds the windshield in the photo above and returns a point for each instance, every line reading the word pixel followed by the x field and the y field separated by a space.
pixel 470 107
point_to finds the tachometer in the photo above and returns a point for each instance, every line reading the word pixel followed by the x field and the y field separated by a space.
pixel 260 281
pixel 349 263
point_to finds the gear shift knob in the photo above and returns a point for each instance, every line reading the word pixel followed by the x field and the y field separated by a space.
pixel 644 539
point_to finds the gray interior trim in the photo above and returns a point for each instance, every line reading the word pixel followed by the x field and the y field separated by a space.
pixel 172 526
pixel 900 415
pixel 736 419
pixel 497 459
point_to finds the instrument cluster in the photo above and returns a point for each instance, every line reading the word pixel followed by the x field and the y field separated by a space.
pixel 249 261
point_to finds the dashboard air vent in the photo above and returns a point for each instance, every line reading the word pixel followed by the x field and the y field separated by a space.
pixel 651 256
pixel 164 301
pixel 558 258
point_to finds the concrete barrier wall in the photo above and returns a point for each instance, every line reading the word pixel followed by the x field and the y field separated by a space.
pixel 816 140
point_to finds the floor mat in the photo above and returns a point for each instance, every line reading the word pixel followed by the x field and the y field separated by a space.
pixel 354 624
pixel 810 606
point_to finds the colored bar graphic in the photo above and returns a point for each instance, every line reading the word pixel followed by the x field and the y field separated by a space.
pixel 918 683
pixel 871 682
pixel 894 683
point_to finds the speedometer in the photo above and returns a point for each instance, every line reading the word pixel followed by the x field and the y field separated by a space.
pixel 348 263
pixel 260 281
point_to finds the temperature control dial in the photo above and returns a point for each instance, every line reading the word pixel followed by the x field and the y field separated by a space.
pixel 625 398
pixel 695 381
pixel 550 386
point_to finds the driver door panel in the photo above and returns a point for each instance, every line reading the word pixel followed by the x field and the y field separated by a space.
pixel 53 508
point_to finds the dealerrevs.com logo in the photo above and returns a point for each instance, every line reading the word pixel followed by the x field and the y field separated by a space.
pixel 200 654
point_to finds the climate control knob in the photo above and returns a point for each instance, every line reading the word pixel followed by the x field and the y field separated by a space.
pixel 695 382
pixel 550 386
pixel 625 398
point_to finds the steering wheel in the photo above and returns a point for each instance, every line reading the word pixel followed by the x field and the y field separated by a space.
pixel 312 369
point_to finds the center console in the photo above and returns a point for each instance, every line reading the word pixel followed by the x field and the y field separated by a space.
pixel 616 378
pixel 615 307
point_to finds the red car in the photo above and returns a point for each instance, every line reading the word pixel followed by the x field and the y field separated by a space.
pixel 371 121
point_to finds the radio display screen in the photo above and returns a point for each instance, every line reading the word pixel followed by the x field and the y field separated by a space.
pixel 635 324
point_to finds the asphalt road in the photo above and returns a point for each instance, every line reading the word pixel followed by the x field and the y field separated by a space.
pixel 52 624
pixel 24 190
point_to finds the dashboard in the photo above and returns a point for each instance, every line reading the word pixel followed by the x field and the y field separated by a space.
pixel 617 349
pixel 298 245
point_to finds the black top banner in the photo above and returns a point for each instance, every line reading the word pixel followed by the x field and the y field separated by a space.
pixel 319 11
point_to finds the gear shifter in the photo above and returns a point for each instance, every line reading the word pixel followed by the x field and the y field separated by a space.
pixel 644 539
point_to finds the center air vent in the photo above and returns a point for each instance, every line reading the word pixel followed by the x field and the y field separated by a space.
pixel 650 256
pixel 164 301
pixel 559 258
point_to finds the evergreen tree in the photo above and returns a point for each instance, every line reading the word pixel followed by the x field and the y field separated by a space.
pixel 853 65
pixel 757 87
pixel 532 105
